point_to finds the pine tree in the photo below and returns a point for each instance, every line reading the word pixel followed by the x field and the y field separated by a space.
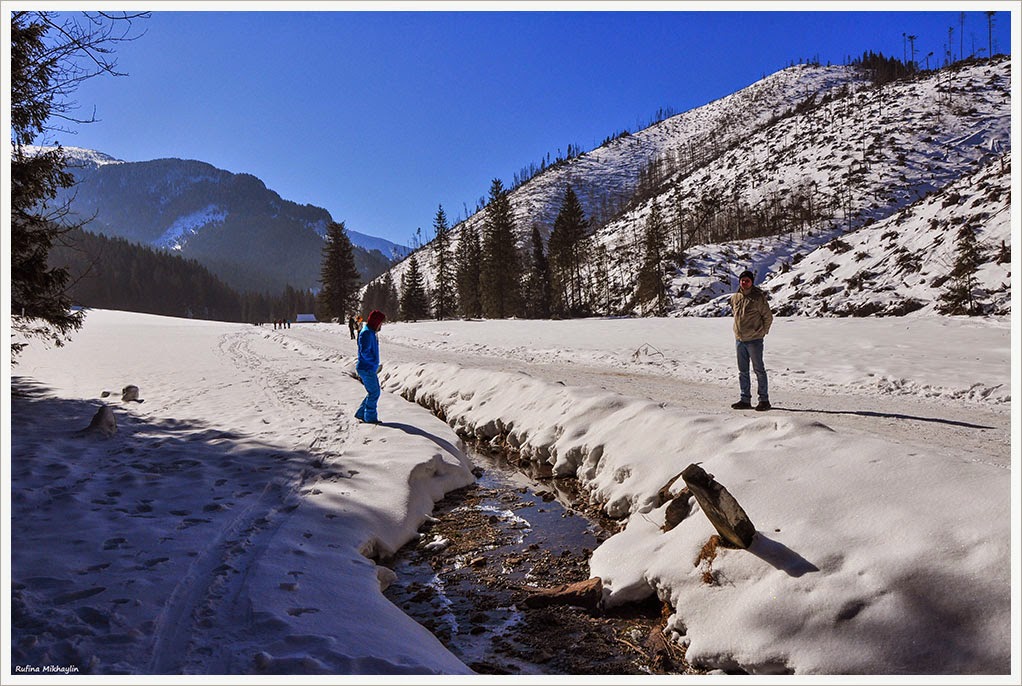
pixel 680 244
pixel 568 253
pixel 391 299
pixel 51 55
pixel 414 302
pixel 959 297
pixel 537 283
pixel 40 307
pixel 372 298
pixel 468 270
pixel 501 272
pixel 381 295
pixel 602 281
pixel 651 274
pixel 339 277
pixel 444 294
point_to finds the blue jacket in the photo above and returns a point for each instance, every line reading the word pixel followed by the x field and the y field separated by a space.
pixel 368 350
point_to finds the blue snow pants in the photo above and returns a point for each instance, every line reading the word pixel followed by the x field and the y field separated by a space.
pixel 367 411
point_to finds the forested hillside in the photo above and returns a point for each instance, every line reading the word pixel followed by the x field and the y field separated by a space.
pixel 661 221
pixel 245 233
pixel 115 274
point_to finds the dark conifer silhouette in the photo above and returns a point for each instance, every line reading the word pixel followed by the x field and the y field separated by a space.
pixel 414 301
pixel 959 296
pixel 468 270
pixel 381 295
pixel 340 279
pixel 500 279
pixel 882 69
pixel 652 289
pixel 537 282
pixel 445 290
pixel 990 32
pixel 568 251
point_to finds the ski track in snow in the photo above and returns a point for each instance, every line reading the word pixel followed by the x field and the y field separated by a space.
pixel 209 599
pixel 210 606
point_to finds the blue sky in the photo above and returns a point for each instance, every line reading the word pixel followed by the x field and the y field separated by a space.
pixel 381 116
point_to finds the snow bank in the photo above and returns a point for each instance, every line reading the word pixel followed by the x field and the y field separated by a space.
pixel 871 557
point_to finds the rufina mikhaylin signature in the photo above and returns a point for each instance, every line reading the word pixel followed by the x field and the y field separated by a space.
pixel 46 669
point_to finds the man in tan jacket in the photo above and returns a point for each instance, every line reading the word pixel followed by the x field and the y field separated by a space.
pixel 752 323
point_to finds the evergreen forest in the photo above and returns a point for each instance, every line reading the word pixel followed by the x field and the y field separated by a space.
pixel 112 273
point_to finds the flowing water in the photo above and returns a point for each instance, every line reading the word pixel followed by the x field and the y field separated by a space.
pixel 490 546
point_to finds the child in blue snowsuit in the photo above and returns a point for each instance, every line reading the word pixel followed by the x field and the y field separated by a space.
pixel 369 366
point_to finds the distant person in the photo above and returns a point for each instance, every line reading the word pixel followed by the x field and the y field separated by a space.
pixel 351 327
pixel 752 323
pixel 369 367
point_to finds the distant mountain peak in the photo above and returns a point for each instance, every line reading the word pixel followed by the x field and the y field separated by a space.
pixel 82 156
pixel 234 225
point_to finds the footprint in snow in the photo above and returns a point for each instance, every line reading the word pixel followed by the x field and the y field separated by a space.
pixel 149 564
pixel 114 543
pixel 299 611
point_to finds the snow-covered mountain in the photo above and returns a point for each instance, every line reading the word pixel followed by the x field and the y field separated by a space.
pixel 388 248
pixel 899 264
pixel 767 177
pixel 232 223
pixel 84 157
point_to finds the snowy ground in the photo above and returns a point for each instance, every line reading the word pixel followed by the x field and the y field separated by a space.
pixel 225 527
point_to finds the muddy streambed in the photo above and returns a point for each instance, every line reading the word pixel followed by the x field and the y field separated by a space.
pixel 487 548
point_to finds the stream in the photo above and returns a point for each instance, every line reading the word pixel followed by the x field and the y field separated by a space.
pixel 489 547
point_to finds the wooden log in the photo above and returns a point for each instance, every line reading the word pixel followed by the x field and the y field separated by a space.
pixel 720 507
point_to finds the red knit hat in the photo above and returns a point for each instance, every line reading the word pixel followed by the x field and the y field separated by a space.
pixel 376 319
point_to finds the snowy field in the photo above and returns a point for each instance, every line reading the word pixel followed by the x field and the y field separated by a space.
pixel 239 519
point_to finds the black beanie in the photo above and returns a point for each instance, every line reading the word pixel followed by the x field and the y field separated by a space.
pixel 746 274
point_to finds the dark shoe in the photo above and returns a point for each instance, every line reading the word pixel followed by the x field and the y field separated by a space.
pixel 763 405
pixel 741 405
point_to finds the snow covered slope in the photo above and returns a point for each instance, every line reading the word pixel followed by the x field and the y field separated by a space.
pixel 891 267
pixel 808 153
pixel 80 157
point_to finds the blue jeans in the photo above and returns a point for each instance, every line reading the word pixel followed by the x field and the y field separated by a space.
pixel 367 411
pixel 752 351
